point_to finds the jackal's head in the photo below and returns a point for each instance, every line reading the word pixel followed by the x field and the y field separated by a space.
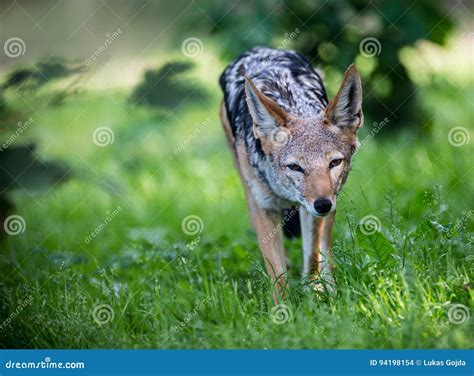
pixel 309 158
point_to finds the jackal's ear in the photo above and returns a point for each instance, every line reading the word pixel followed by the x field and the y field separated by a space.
pixel 345 109
pixel 266 114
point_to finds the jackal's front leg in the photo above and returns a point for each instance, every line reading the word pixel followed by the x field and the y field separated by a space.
pixel 316 233
pixel 270 238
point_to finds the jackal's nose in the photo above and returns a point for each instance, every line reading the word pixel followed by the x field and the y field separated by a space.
pixel 323 205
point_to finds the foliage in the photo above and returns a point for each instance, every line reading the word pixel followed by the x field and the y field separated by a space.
pixel 331 35
pixel 40 74
pixel 167 88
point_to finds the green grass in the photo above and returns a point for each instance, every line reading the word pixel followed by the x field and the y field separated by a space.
pixel 170 290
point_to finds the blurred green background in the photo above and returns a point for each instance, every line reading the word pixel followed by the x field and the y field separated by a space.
pixel 124 223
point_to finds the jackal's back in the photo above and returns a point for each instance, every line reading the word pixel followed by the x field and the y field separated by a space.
pixel 283 75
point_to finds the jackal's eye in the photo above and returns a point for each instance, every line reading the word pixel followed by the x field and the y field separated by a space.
pixel 335 162
pixel 295 167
